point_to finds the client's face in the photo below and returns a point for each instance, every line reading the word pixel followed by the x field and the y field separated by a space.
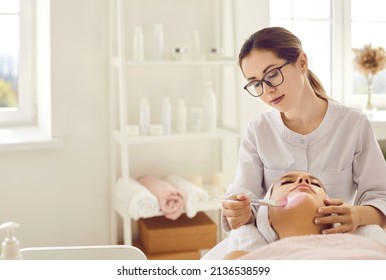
pixel 306 211
pixel 298 181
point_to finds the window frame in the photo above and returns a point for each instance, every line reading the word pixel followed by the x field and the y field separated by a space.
pixel 342 58
pixel 25 114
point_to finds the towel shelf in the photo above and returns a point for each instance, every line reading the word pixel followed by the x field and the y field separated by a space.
pixel 189 154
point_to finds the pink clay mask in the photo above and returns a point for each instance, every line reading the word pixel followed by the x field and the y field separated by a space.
pixel 294 199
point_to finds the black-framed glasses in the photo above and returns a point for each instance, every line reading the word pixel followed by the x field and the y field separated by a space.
pixel 273 78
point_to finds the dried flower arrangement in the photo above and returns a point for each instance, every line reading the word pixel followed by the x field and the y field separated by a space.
pixel 369 61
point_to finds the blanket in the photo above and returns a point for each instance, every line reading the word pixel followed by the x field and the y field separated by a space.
pixel 320 247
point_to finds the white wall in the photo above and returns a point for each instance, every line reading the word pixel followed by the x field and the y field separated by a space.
pixel 60 196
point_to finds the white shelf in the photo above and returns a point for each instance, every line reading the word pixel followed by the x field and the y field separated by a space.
pixel 189 136
pixel 163 63
pixel 126 87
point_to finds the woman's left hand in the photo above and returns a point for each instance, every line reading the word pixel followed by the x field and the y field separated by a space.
pixel 338 212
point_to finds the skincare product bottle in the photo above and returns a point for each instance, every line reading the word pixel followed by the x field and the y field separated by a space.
pixel 138 44
pixel 196 119
pixel 181 120
pixel 218 184
pixel 196 46
pixel 158 42
pixel 166 115
pixel 10 248
pixel 214 54
pixel 179 53
pixel 209 116
pixel 144 116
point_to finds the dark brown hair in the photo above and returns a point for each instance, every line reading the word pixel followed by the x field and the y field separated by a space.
pixel 283 44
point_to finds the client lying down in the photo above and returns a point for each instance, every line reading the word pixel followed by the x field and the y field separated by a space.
pixel 294 227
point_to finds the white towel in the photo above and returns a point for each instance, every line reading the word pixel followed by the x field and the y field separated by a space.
pixel 262 221
pixel 140 202
pixel 170 199
pixel 195 197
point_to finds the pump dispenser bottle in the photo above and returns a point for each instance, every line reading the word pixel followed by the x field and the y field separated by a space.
pixel 144 116
pixel 10 248
pixel 209 117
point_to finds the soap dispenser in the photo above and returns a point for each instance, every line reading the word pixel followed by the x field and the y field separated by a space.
pixel 10 248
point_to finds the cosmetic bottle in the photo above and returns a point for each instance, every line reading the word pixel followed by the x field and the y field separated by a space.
pixel 181 120
pixel 166 115
pixel 209 116
pixel 10 248
pixel 158 42
pixel 218 184
pixel 196 119
pixel 144 116
pixel 179 53
pixel 138 44
pixel 196 46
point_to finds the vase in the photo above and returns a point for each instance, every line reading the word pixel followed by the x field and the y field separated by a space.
pixel 369 104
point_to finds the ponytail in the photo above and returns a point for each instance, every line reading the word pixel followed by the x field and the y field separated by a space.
pixel 316 85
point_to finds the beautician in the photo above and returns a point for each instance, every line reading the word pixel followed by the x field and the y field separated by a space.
pixel 306 130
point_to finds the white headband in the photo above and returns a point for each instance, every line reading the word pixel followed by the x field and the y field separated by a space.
pixel 262 221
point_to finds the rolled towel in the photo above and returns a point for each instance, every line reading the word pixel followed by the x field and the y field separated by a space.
pixel 170 199
pixel 195 197
pixel 140 202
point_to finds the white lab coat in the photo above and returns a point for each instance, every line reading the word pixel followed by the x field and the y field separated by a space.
pixel 342 152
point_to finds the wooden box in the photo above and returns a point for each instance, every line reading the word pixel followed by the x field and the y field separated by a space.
pixel 180 255
pixel 161 235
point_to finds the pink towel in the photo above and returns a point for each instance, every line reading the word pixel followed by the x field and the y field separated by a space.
pixel 170 199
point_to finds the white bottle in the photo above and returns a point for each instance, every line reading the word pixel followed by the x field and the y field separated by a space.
pixel 196 46
pixel 10 248
pixel 167 115
pixel 181 120
pixel 138 44
pixel 209 116
pixel 158 42
pixel 144 116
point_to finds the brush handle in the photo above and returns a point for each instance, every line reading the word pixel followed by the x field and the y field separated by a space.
pixel 255 201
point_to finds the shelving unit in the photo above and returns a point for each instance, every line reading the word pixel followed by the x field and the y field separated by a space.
pixel 183 154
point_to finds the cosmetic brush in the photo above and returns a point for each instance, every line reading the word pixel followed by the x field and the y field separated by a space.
pixel 291 201
pixel 256 201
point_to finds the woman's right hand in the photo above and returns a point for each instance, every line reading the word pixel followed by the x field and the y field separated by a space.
pixel 237 212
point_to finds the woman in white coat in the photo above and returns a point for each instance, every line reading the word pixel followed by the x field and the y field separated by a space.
pixel 306 130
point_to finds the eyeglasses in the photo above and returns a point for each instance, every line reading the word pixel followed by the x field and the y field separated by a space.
pixel 272 78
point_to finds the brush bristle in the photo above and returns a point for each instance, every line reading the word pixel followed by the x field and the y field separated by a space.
pixel 294 199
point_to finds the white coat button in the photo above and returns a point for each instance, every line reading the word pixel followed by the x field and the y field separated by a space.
pixel 302 141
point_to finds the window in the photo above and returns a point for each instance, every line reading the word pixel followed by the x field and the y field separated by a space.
pixel 16 50
pixel 368 24
pixel 329 30
pixel 311 22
